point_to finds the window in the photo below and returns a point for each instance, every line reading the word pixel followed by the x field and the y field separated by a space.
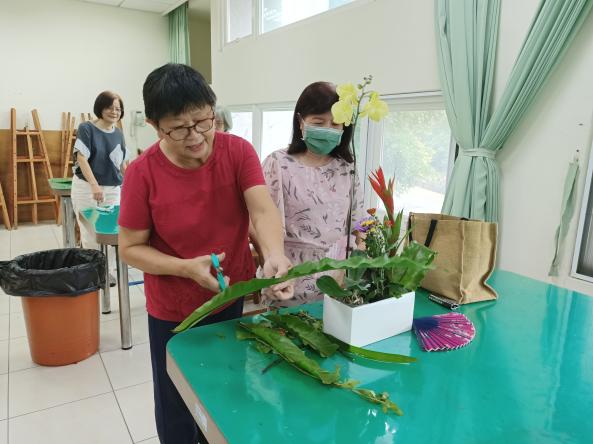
pixel 278 13
pixel 582 261
pixel 412 144
pixel 276 131
pixel 243 125
pixel 239 19
pixel 416 152
pixel 254 17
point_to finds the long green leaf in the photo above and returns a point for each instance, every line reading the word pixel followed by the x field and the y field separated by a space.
pixel 247 287
pixel 375 355
pixel 310 336
pixel 293 354
pixel 317 325
pixel 283 346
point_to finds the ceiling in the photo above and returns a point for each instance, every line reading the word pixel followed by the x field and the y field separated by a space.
pixel 158 6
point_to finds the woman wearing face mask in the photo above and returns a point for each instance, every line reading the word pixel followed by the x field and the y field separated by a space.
pixel 310 182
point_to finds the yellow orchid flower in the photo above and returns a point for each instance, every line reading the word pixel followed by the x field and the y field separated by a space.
pixel 342 112
pixel 348 93
pixel 375 108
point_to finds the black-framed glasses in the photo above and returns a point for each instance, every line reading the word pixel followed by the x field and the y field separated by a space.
pixel 182 132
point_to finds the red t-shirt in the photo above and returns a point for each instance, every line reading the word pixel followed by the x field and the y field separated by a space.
pixel 192 212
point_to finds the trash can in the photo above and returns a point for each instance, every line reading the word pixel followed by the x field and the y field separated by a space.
pixel 59 290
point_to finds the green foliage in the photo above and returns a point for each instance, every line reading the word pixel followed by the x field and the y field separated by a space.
pixel 309 335
pixel 243 288
pixel 272 339
pixel 309 323
pixel 284 347
pixel 330 286
pixel 372 284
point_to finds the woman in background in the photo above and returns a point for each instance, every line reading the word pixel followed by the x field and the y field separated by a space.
pixel 99 161
pixel 223 120
pixel 311 184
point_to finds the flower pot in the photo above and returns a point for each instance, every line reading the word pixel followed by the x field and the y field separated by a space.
pixel 365 324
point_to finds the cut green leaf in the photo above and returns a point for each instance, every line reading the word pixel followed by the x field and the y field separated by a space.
pixel 307 333
pixel 247 287
pixel 291 353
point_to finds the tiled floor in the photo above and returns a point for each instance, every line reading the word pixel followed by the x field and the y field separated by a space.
pixel 104 399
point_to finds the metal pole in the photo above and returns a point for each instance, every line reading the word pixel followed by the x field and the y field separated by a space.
pixel 106 294
pixel 68 217
pixel 125 319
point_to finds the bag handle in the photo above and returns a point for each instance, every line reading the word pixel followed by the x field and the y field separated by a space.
pixel 429 235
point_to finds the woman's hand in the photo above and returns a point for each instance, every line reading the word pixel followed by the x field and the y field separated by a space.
pixel 199 269
pixel 97 192
pixel 277 266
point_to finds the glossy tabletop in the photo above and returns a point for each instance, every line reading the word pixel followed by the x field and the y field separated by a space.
pixel 60 186
pixel 103 223
pixel 527 377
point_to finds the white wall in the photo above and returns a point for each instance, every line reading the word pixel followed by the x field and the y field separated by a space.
pixel 535 159
pixel 394 41
pixel 58 55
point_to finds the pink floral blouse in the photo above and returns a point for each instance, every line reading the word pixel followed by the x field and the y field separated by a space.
pixel 313 202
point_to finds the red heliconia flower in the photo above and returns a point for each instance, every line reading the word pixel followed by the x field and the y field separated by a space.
pixel 372 211
pixel 383 190
pixel 388 224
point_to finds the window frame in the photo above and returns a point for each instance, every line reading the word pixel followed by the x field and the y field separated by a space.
pixel 371 134
pixel 257 20
pixel 257 120
pixel 375 132
pixel 580 244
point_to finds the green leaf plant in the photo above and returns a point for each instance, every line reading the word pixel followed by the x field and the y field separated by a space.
pixel 272 339
pixel 404 268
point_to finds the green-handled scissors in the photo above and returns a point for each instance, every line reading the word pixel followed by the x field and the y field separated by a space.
pixel 218 268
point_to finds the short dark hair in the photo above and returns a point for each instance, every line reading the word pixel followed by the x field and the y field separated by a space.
pixel 104 101
pixel 318 98
pixel 173 89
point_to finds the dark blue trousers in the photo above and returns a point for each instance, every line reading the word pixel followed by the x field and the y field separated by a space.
pixel 174 422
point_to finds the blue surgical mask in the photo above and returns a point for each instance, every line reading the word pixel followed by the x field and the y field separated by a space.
pixel 321 140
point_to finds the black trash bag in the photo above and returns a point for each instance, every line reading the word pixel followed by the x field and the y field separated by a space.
pixel 63 272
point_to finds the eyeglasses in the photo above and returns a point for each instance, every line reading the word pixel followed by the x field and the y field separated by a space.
pixel 182 132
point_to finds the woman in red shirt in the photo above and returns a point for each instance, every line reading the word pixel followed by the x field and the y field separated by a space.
pixel 189 195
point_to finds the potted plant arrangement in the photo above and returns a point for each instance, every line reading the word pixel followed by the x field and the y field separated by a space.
pixel 375 303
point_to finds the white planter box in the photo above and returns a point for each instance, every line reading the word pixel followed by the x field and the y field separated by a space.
pixel 365 324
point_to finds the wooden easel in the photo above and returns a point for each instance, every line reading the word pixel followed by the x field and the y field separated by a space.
pixel 30 159
pixel 5 217
pixel 69 137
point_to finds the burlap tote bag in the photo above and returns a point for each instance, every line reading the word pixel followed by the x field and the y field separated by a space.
pixel 466 255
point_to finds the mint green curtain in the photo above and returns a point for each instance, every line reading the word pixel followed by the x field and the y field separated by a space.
pixel 466 45
pixel 568 203
pixel 179 35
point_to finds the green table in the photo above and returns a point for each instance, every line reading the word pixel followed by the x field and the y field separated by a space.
pixel 104 224
pixel 526 378
pixel 61 187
